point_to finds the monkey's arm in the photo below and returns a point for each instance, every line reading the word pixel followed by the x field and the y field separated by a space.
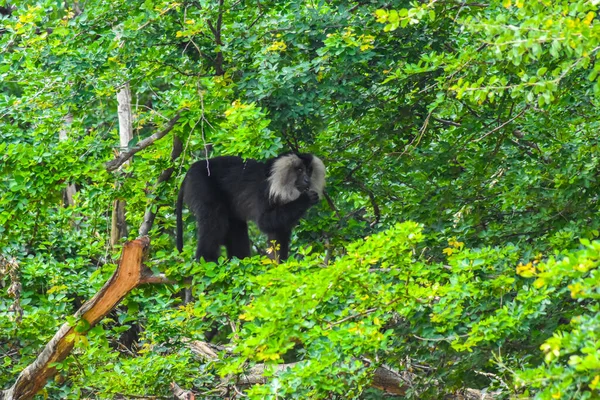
pixel 285 216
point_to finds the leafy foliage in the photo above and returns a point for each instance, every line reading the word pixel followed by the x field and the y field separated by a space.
pixel 477 121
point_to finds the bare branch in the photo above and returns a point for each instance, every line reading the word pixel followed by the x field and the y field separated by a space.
pixel 373 200
pixel 350 317
pixel 332 205
pixel 147 276
pixel 123 157
pixel 446 122
pixel 421 133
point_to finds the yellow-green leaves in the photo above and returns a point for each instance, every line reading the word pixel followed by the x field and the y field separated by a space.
pixel 393 19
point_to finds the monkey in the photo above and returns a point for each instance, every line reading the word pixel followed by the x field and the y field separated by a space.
pixel 226 192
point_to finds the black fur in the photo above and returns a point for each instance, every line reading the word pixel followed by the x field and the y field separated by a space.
pixel 226 192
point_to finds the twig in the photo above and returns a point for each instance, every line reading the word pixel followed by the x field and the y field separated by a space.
pixel 348 318
pixel 446 122
pixel 445 339
pixel 421 133
pixel 373 200
pixel 9 266
pixel 328 252
pixel 332 205
pixel 503 125
pixel 492 377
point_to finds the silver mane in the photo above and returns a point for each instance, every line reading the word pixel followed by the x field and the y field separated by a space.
pixel 281 181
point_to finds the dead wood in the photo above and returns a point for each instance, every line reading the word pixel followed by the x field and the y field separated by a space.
pixel 129 274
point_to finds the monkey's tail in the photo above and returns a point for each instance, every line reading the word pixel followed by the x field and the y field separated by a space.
pixel 178 212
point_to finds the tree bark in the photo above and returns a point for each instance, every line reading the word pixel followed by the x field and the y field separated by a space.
pixel 125 119
pixel 119 224
pixel 10 267
pixel 129 274
pixel 118 227
pixel 181 394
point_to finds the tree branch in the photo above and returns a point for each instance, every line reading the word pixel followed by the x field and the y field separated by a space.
pixel 446 122
pixel 384 378
pixel 373 200
pixel 149 216
pixel 503 125
pixel 123 157
pixel 129 274
pixel 216 31
pixel 9 266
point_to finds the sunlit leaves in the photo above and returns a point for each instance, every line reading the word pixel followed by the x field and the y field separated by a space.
pixel 526 270
pixel 394 19
pixel 277 45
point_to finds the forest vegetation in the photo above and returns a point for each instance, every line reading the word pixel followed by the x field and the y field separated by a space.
pixel 455 254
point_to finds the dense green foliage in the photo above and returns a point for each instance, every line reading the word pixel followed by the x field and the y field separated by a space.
pixel 477 122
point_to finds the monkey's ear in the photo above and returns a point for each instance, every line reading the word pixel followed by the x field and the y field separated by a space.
pixel 317 178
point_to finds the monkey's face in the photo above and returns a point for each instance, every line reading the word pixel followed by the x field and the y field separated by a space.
pixel 303 173
pixel 294 174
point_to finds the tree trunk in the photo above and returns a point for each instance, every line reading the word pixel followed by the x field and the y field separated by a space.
pixel 119 224
pixel 124 113
pixel 118 227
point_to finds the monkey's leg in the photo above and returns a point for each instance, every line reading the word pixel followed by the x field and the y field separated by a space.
pixel 213 225
pixel 212 222
pixel 282 240
pixel 237 241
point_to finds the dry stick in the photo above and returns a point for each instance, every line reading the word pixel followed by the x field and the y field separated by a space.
pixel 373 200
pixel 123 157
pixel 332 205
pixel 203 119
pixel 70 191
pixel 362 314
pixel 444 339
pixel 447 122
pixel 129 274
pixel 350 317
pixel 328 253
pixel 216 31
